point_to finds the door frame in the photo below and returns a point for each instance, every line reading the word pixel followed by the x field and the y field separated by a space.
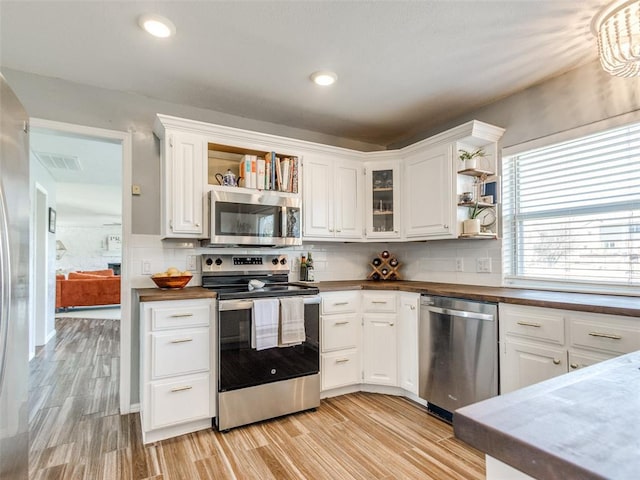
pixel 125 139
pixel 39 266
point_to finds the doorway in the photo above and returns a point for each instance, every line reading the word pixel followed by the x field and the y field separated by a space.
pixel 88 198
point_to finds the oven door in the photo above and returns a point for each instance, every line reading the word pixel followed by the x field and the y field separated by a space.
pixel 240 366
pixel 260 218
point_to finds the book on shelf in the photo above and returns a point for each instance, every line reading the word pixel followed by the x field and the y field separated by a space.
pixel 294 175
pixel 260 174
pixel 245 170
pixel 286 174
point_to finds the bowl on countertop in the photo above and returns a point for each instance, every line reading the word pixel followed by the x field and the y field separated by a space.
pixel 172 283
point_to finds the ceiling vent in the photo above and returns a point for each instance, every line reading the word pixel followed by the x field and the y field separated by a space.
pixel 57 161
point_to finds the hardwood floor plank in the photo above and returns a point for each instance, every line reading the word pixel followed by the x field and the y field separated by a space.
pixel 76 432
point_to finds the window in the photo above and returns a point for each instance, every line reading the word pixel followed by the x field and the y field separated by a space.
pixel 572 211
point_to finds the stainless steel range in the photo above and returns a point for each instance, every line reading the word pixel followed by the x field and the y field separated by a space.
pixel 256 383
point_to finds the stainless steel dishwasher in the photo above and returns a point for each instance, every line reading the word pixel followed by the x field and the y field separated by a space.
pixel 458 353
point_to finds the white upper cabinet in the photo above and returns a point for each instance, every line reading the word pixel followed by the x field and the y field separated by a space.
pixel 184 174
pixel 382 200
pixel 333 198
pixel 428 187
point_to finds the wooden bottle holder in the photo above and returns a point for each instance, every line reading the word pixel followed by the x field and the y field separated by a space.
pixel 377 271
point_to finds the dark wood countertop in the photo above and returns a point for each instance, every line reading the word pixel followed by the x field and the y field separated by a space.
pixel 188 293
pixel 585 302
pixel 583 424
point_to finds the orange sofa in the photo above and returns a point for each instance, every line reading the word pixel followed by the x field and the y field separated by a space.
pixel 87 289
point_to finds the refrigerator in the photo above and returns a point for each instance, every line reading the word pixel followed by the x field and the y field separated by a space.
pixel 14 285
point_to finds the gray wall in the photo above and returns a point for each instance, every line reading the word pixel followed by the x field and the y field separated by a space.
pixel 580 97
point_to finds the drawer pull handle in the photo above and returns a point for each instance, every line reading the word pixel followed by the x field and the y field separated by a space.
pixel 606 335
pixel 556 361
pixel 341 323
pixel 383 302
pixel 529 324
pixel 391 324
pixel 182 340
pixel 574 365
pixel 342 360
pixel 181 389
pixel 337 304
pixel 180 315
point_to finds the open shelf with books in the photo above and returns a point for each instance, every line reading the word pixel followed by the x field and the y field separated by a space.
pixel 254 169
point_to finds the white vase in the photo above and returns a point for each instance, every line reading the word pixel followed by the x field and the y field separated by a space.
pixel 470 163
pixel 471 226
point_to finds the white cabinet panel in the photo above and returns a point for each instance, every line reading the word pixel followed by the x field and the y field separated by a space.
pixel 340 332
pixel 340 369
pixel 580 358
pixel 409 308
pixel 379 302
pixel 429 194
pixel 179 352
pixel 535 323
pixel 182 314
pixel 605 333
pixel 383 199
pixel 340 302
pixel 179 400
pixel 333 198
pixel 526 364
pixel 380 350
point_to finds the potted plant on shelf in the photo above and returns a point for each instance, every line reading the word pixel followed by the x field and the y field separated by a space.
pixel 470 159
pixel 472 225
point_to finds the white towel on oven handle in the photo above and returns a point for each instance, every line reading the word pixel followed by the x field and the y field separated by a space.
pixel 291 321
pixel 264 323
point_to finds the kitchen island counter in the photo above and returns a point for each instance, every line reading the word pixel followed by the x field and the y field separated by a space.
pixel 585 302
pixel 583 424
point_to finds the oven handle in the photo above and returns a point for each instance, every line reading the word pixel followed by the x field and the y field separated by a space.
pixel 243 304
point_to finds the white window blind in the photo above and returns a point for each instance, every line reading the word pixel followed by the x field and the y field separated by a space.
pixel 571 212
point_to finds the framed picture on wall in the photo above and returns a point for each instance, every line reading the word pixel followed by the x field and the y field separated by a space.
pixel 52 220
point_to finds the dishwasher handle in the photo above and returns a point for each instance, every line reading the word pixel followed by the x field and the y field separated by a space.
pixel 459 313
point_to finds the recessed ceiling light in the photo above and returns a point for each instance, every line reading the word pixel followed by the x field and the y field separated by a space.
pixel 157 26
pixel 324 78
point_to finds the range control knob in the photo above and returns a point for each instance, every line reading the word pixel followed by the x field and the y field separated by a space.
pixel 218 261
pixel 209 262
pixel 274 261
pixel 283 261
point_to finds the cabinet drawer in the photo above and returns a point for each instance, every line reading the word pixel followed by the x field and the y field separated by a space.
pixel 532 322
pixel 179 352
pixel 611 335
pixel 379 302
pixel 340 302
pixel 339 332
pixel 184 314
pixel 340 369
pixel 180 400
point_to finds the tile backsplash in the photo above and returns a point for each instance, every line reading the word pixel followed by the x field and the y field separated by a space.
pixel 450 261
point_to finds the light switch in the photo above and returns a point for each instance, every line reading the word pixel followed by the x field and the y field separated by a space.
pixel 192 263
pixel 146 267
pixel 135 190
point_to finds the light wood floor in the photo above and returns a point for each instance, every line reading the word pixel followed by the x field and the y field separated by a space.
pixel 76 432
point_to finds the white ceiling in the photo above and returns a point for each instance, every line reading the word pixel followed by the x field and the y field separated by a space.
pixel 403 66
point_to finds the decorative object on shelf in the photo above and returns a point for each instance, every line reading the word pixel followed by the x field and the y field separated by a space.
pixel 385 267
pixel 617 28
pixel 470 159
pixel 466 197
pixel 303 269
pixel 480 220
pixel 228 179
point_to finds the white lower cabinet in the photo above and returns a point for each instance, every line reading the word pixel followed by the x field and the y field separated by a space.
pixel 177 374
pixel 340 332
pixel 539 343
pixel 380 363
pixel 408 317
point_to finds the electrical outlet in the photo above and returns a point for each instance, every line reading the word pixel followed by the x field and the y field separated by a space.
pixel 483 265
pixel 192 263
pixel 459 265
pixel 146 267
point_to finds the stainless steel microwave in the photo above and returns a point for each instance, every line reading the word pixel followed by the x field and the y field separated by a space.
pixel 254 218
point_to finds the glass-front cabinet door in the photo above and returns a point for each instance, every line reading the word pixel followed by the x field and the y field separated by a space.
pixel 383 200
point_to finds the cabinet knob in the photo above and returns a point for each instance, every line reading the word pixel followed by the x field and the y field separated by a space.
pixel 446 227
pixel 556 361
pixel 197 225
pixel 574 365
pixel 391 324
